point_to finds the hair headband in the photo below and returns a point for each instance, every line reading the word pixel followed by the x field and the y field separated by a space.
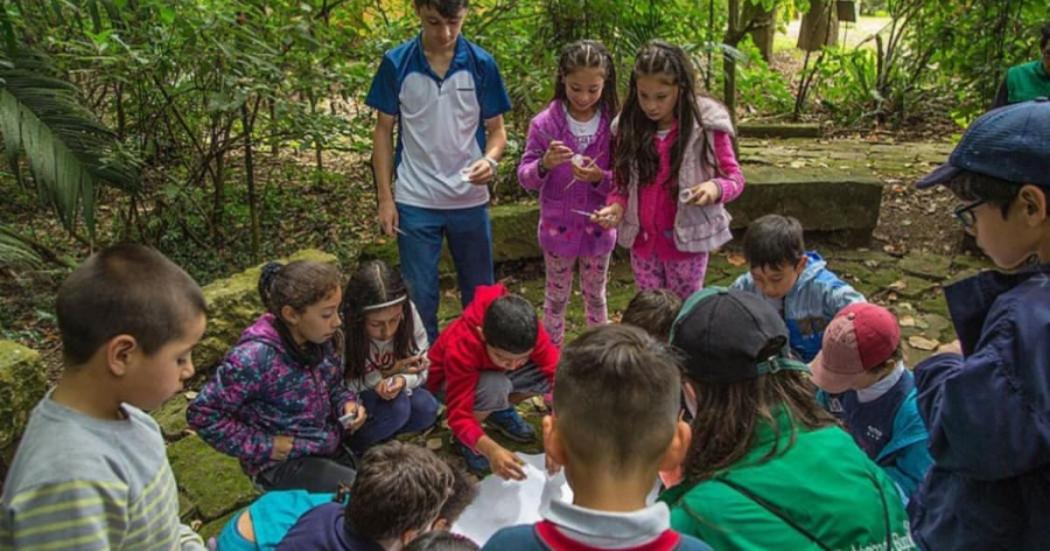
pixel 381 305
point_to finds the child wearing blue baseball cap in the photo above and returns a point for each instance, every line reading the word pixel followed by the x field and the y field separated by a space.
pixel 986 397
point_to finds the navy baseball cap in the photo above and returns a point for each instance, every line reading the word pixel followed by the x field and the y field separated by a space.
pixel 1011 143
pixel 728 336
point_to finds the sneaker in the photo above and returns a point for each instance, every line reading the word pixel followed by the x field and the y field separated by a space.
pixel 510 424
pixel 476 462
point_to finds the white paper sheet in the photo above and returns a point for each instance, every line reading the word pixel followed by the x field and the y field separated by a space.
pixel 501 503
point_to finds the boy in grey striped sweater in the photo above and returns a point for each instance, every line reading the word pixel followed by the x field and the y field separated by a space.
pixel 91 470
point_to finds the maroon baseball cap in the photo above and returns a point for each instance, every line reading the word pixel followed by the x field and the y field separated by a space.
pixel 861 337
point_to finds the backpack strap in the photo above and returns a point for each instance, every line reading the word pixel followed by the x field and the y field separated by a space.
pixel 773 509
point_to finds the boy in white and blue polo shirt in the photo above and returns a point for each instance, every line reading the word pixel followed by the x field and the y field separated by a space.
pixel 448 99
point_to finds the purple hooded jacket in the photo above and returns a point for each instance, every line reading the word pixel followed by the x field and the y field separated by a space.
pixel 562 231
pixel 260 391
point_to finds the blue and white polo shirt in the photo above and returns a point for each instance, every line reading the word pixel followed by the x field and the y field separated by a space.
pixel 441 122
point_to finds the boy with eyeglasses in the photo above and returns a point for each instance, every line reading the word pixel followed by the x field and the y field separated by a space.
pixel 986 397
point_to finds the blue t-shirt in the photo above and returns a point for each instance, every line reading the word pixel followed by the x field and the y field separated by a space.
pixel 441 121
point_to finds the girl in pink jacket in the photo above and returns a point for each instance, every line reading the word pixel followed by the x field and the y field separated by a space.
pixel 675 169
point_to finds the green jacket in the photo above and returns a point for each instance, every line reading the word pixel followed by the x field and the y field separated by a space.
pixel 823 484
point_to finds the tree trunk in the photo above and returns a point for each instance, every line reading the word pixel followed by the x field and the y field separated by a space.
pixel 765 27
pixel 819 26
pixel 249 178
pixel 728 63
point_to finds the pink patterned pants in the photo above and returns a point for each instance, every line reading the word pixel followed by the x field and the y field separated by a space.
pixel 594 274
pixel 681 277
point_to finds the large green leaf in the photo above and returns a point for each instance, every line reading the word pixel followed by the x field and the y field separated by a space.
pixel 14 251
pixel 69 152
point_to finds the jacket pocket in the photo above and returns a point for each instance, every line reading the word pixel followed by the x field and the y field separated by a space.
pixel 702 229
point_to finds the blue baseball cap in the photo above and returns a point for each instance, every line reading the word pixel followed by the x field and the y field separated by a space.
pixel 1011 143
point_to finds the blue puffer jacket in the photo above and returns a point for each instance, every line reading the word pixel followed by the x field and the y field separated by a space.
pixel 815 298
pixel 988 413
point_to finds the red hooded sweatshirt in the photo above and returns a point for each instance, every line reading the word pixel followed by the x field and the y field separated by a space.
pixel 458 357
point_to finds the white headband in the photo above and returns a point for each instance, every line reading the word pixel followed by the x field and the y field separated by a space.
pixel 398 300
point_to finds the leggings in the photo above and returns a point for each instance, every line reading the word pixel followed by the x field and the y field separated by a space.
pixel 594 274
pixel 681 277
pixel 312 473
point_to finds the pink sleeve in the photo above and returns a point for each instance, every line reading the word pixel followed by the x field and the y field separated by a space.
pixel 616 196
pixel 732 180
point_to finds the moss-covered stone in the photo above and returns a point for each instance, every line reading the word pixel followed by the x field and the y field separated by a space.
pixel 914 287
pixel 23 382
pixel 212 528
pixel 211 480
pixel 928 266
pixel 233 303
pixel 172 417
pixel 823 199
pixel 187 508
pixel 785 130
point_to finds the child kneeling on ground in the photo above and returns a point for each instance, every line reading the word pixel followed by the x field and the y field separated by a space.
pixel 865 384
pixel 496 353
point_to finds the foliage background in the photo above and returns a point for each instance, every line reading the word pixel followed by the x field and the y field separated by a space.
pixel 243 123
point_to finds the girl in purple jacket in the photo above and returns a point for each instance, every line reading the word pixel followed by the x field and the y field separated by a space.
pixel 567 159
pixel 278 401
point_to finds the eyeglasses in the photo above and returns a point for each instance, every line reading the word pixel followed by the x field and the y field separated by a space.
pixel 964 213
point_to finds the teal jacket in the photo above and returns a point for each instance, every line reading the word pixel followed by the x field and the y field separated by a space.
pixel 889 429
pixel 819 491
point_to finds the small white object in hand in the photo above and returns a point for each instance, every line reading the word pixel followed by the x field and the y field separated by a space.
pixel 465 175
pixel 577 160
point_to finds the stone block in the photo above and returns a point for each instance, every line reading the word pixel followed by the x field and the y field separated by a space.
pixel 823 199
pixel 233 304
pixel 172 417
pixel 211 480
pixel 23 382
pixel 795 130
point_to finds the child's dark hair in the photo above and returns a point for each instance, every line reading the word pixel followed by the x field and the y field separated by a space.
pixel 125 289
pixel 447 8
pixel 440 540
pixel 399 487
pixel 635 150
pixel 297 284
pixel 510 324
pixel 617 398
pixel 727 415
pixel 588 54
pixel 1045 40
pixel 773 241
pixel 653 311
pixel 374 286
pixel 974 186
pixel 463 494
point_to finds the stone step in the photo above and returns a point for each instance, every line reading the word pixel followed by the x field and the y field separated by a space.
pixel 823 199
pixel 780 130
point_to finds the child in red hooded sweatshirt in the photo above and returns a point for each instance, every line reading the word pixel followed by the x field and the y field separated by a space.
pixel 496 353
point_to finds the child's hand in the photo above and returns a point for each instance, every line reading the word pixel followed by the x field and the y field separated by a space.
pixel 609 216
pixel 505 463
pixel 388 389
pixel 587 171
pixel 704 194
pixel 557 153
pixel 359 417
pixel 411 365
pixel 282 446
